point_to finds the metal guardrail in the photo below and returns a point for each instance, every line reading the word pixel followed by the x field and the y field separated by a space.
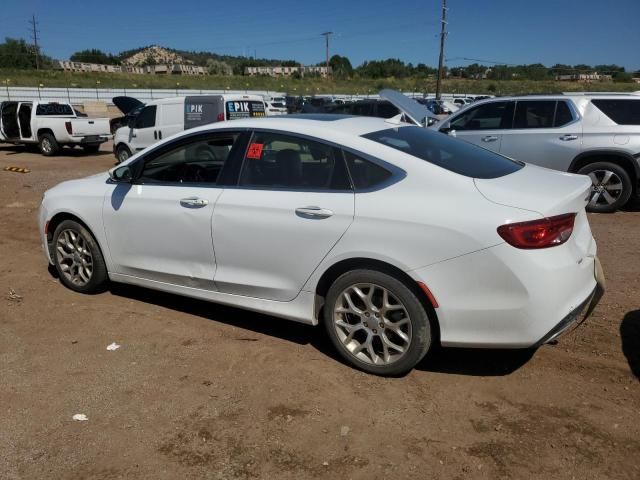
pixel 78 96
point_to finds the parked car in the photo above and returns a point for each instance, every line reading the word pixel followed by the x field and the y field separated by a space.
pixel 51 126
pixel 275 106
pixel 593 134
pixel 393 236
pixel 369 108
pixel 161 118
pixel 293 103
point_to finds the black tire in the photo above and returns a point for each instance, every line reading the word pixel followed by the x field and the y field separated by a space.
pixel 600 193
pixel 420 328
pixel 48 145
pixel 98 276
pixel 122 153
pixel 93 148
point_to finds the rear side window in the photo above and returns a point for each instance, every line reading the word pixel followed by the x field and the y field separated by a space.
pixel 289 162
pixel 623 112
pixel 147 117
pixel 490 116
pixel 446 152
pixel 541 114
pixel 53 109
pixel 365 174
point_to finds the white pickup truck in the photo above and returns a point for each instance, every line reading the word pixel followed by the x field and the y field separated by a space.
pixel 51 126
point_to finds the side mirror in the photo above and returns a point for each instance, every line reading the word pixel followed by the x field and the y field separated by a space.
pixel 121 174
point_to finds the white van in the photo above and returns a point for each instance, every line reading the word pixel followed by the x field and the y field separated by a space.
pixel 161 118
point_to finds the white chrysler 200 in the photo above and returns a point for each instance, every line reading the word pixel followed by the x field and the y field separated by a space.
pixel 393 236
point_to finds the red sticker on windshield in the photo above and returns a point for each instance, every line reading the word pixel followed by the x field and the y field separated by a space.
pixel 255 151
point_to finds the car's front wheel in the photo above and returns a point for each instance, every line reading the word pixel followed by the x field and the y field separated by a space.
pixel 77 258
pixel 611 186
pixel 122 153
pixel 376 322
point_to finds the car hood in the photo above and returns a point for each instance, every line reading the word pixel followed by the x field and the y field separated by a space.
pixel 126 104
pixel 414 110
pixel 87 186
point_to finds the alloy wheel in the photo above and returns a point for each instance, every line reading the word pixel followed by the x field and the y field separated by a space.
pixel 372 324
pixel 74 257
pixel 606 187
pixel 46 145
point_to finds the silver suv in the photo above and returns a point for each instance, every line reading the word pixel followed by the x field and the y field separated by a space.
pixel 592 134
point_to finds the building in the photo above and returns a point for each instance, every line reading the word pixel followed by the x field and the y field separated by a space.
pixel 583 77
pixel 281 71
pixel 170 69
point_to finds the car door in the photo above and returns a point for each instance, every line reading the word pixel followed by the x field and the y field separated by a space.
pixel 482 125
pixel 158 227
pixel 171 119
pixel 25 118
pixel 292 204
pixel 144 132
pixel 545 133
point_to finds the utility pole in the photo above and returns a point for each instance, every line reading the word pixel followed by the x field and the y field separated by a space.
pixel 443 34
pixel 34 36
pixel 326 37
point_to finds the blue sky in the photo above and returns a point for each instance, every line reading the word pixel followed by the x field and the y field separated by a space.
pixel 509 31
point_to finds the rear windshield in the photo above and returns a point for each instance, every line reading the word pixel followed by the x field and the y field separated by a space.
pixel 446 152
pixel 53 109
pixel 623 112
pixel 244 109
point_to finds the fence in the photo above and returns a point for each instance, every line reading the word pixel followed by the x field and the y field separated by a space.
pixel 78 96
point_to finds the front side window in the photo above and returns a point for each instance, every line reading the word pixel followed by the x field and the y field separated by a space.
pixel 199 161
pixel 283 161
pixel 623 112
pixel 490 116
pixel 446 152
pixel 147 117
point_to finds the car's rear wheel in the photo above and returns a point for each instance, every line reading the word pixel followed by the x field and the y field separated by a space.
pixel 611 186
pixel 122 153
pixel 376 322
pixel 77 258
pixel 48 144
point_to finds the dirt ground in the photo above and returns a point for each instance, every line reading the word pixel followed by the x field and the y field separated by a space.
pixel 203 391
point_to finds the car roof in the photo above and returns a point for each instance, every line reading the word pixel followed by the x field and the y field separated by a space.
pixel 306 123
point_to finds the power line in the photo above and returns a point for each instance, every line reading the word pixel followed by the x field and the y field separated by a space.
pixel 34 37
pixel 443 34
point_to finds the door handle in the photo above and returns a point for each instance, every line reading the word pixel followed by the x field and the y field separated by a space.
pixel 489 138
pixel 159 134
pixel 155 135
pixel 194 202
pixel 568 137
pixel 313 212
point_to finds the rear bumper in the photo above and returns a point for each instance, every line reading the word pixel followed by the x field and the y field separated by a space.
pixel 89 140
pixel 576 317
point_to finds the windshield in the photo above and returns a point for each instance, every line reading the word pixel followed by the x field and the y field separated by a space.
pixel 446 152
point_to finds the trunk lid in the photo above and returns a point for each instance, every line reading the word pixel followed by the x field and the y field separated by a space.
pixel 412 109
pixel 85 127
pixel 547 192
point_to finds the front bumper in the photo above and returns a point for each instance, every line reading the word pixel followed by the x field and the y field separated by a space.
pixel 577 316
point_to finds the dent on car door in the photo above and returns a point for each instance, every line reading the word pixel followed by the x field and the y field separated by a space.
pixel 158 227
pixel 484 124
pixel 293 203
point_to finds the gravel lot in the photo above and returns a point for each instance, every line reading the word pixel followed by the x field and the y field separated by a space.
pixel 199 390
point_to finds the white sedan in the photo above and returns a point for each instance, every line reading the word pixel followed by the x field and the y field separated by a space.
pixel 392 236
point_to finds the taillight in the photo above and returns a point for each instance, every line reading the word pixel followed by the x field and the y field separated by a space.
pixel 221 117
pixel 543 233
pixel 69 127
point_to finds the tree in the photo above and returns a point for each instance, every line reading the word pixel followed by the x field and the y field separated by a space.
pixel 94 56
pixel 16 53
pixel 341 66
pixel 217 67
